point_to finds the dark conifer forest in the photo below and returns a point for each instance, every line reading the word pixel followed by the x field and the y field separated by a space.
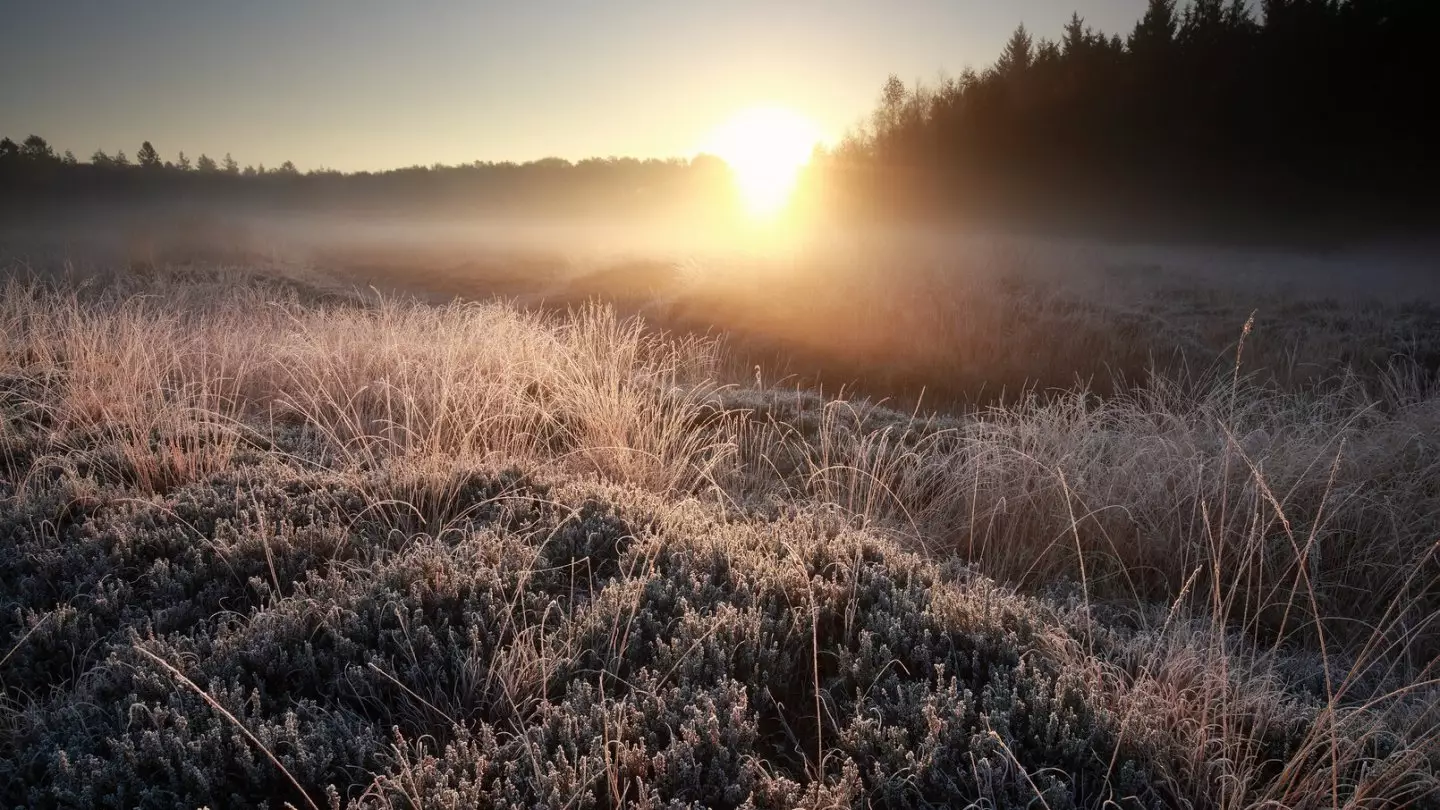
pixel 1306 108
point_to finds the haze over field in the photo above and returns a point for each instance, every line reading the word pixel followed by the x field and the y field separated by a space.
pixel 601 405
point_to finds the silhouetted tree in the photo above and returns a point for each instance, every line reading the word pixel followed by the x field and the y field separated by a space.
pixel 206 164
pixel 1076 38
pixel 1155 32
pixel 1201 19
pixel 99 158
pixel 1018 54
pixel 36 149
pixel 182 163
pixel 230 166
pixel 287 168
pixel 892 103
pixel 69 158
pixel 147 157
pixel 9 150
pixel 119 159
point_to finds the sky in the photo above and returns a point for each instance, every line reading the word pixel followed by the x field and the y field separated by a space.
pixel 372 84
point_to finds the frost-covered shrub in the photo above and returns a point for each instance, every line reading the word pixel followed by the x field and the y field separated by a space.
pixel 544 648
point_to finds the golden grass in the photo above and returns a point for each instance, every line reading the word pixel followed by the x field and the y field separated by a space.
pixel 1227 519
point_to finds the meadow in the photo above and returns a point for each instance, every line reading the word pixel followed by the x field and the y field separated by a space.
pixel 885 520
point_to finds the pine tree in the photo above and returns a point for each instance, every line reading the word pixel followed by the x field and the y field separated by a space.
pixel 1203 22
pixel 1019 53
pixel 230 166
pixel 1273 12
pixel 1156 30
pixel 182 163
pixel 147 157
pixel 1076 36
pixel 1238 16
pixel 206 164
pixel 1047 53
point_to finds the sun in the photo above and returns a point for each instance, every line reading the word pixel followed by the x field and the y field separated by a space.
pixel 765 148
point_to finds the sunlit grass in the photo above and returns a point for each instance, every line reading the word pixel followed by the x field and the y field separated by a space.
pixel 1241 575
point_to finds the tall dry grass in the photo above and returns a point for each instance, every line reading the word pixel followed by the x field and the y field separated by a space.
pixel 1268 494
pixel 1236 553
pixel 146 368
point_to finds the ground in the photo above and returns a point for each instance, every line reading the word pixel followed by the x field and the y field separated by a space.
pixel 923 526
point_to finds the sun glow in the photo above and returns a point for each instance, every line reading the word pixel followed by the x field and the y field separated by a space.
pixel 765 148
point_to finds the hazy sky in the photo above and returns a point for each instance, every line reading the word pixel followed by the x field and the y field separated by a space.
pixel 354 84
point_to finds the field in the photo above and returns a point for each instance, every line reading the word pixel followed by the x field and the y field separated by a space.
pixel 860 521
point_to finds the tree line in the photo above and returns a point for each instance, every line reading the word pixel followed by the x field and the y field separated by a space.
pixel 1288 106
pixel 32 174
pixel 34 155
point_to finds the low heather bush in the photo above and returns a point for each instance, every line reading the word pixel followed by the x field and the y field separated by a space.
pixel 554 651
